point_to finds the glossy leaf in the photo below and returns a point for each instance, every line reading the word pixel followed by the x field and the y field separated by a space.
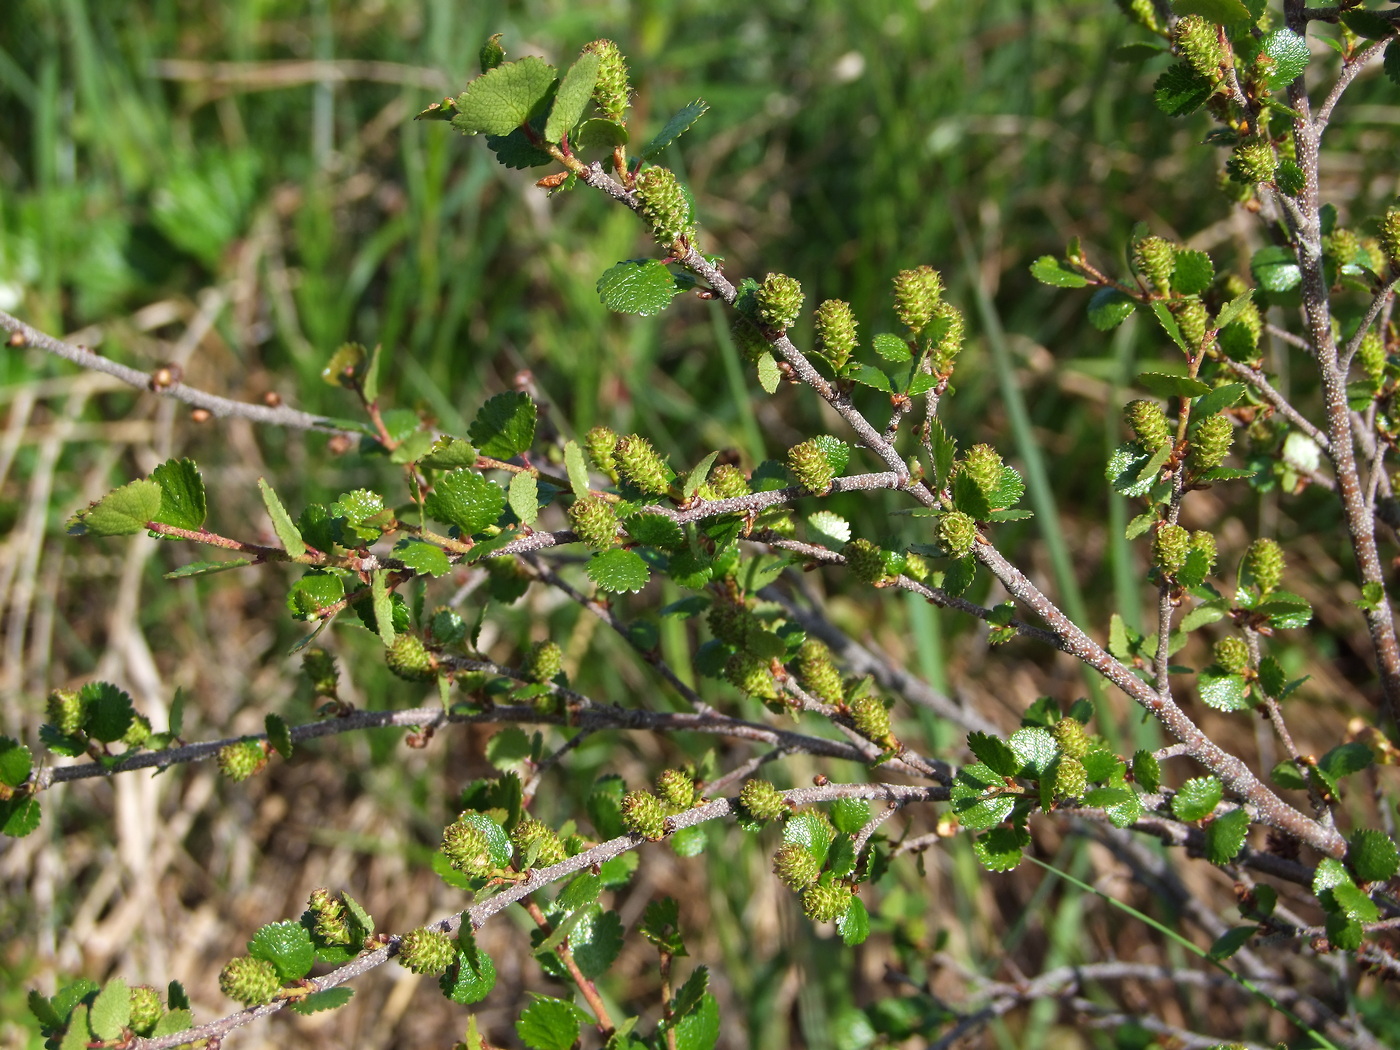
pixel 618 571
pixel 1373 856
pixel 1275 268
pixel 637 286
pixel 1001 848
pixel 549 1024
pixel 1223 691
pixel 1197 798
pixel 182 499
pixel 1180 90
pixel 1225 836
pixel 466 499
pixel 1049 270
pixel 287 945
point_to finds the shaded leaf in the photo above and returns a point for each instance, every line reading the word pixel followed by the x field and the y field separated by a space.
pixel 1001 848
pixel 505 425
pixel 1275 268
pixel 1049 270
pixel 1171 385
pixel 618 570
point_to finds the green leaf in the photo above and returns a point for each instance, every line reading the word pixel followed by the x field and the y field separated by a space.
pixel 1109 308
pixel 287 945
pixel 661 926
pixel 1287 775
pixel 382 604
pixel 769 374
pixel 43 1012
pixel 1169 325
pixel 979 797
pixel 78 1033
pixel 315 591
pixel 994 753
pixel 810 831
pixel 1036 749
pixel 691 994
pixel 849 815
pixel 498 102
pixel 448 452
pixel 655 530
pixel 1275 268
pixel 596 940
pixel 1171 385
pixel 1219 399
pixel 1100 764
pixel 466 499
pixel 1049 270
pixel 1194 272
pixel 1221 12
pixel 1180 90
pixel 19 816
pixel 1285 610
pixel 15 762
pixel 317 1002
pixel 1342 761
pixel 599 133
pixel 677 126
pixel 505 425
pixel 698 474
pixel 699 1029
pixel 1290 179
pixel 854 925
pixel 1223 691
pixel 1001 848
pixel 1352 902
pixel 572 98
pixel 891 347
pixel 637 286
pixel 206 568
pixel 122 512
pixel 1289 54
pixel 1391 65
pixel 107 711
pixel 177 1020
pixel 1231 941
pixel 523 497
pixel 1147 771
pixel 346 367
pixel 279 735
pixel 1197 798
pixel 182 500
pixel 1368 24
pixel 1373 856
pixel 577 466
pixel 110 1012
pixel 869 375
pixel 1225 836
pixel 604 806
pixel 423 557
pixel 472 974
pixel 618 570
pixel 549 1024
pixel 281 521
pixel 1233 308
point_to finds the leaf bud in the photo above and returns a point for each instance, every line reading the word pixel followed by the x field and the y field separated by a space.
pixel 1232 654
pixel 250 981
pixel 811 467
pixel 64 711
pixel 1155 258
pixel 836 331
pixel 1389 238
pixel 762 801
pixel 241 759
pixel 492 54
pixel 865 560
pixel 639 463
pixel 982 465
pixel 1148 423
pixel 599 443
pixel 953 330
pixel 752 675
pixel 795 866
pixel 1205 543
pixel 544 661
pixel 138 732
pixel 466 848
pixel 594 522
pixel 612 90
pixel 778 301
pixel 1198 41
pixel 1371 353
pixel 531 834
pixel 728 482
pixel 676 788
pixel 826 903
pixel 146 1009
pixel 1071 778
pixel 1263 563
pixel 1252 162
pixel 643 814
pixel 1342 246
pixel 817 674
pixel 916 293
pixel 328 916
pixel 409 658
pixel 1170 545
pixel 1193 319
pixel 872 720
pixel 319 668
pixel 664 206
pixel 957 533
pixel 426 951
pixel 1210 444
pixel 1072 738
pixel 916 566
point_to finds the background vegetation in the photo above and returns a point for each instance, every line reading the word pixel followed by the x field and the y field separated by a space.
pixel 237 187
